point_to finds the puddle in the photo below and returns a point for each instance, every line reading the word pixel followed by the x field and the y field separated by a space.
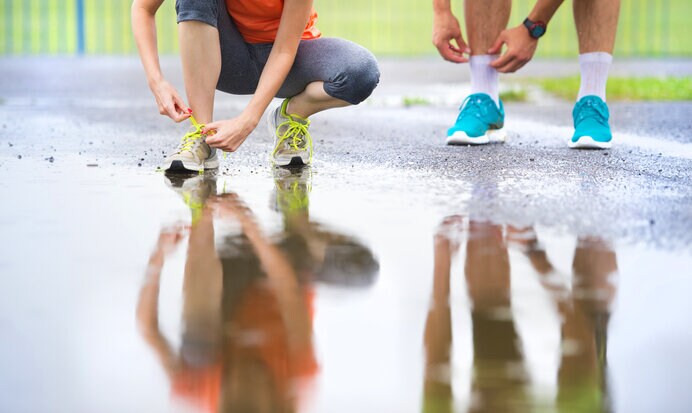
pixel 324 291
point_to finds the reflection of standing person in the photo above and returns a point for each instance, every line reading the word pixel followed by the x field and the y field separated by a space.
pixel 481 117
pixel 583 382
pixel 264 48
pixel 500 380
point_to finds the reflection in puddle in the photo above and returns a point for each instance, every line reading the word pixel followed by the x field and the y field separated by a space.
pixel 500 379
pixel 247 314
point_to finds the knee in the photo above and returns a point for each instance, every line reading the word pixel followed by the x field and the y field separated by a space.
pixel 205 11
pixel 357 79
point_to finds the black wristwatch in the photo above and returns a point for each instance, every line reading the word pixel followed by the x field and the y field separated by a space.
pixel 536 29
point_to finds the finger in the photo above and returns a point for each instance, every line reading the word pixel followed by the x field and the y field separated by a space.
pixel 181 105
pixel 210 127
pixel 213 140
pixel 507 68
pixel 450 55
pixel 172 113
pixel 502 60
pixel 462 46
pixel 497 46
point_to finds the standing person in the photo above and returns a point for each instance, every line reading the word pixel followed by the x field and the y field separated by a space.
pixel 267 48
pixel 481 117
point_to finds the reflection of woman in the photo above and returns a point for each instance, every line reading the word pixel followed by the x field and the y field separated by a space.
pixel 500 381
pixel 267 48
pixel 247 311
pixel 247 321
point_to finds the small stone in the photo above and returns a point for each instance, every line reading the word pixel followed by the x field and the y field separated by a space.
pixel 139 164
pixel 652 222
pixel 92 165
pixel 50 159
pixel 531 159
pixel 19 156
pixel 10 143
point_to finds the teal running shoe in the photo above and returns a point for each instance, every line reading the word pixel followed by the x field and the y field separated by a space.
pixel 480 121
pixel 591 128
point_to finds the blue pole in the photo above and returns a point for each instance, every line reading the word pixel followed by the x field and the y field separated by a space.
pixel 80 27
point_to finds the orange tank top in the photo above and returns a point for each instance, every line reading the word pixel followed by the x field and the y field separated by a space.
pixel 258 20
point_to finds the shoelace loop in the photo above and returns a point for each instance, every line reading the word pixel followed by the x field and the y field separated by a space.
pixel 297 132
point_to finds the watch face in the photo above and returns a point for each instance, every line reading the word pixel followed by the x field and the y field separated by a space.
pixel 538 31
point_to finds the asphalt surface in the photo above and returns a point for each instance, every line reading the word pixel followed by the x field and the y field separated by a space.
pixel 83 207
pixel 101 110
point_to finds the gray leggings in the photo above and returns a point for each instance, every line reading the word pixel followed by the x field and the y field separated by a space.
pixel 349 71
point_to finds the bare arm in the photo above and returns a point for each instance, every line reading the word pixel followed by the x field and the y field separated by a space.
pixel 520 45
pixel 445 29
pixel 144 30
pixel 148 304
pixel 230 134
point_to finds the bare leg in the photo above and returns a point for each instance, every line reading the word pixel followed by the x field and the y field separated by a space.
pixel 584 331
pixel 597 23
pixel 203 283
pixel 485 19
pixel 312 100
pixel 437 391
pixel 200 52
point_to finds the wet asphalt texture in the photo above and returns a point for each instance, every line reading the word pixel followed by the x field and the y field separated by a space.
pixel 99 111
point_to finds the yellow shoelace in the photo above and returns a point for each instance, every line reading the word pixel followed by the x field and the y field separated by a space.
pixel 297 132
pixel 193 136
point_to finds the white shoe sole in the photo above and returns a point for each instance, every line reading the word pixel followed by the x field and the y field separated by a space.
pixel 587 142
pixel 491 136
pixel 178 165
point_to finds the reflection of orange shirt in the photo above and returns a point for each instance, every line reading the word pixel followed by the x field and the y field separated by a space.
pixel 257 311
pixel 258 20
pixel 199 386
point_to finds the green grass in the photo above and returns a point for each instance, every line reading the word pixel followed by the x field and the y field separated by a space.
pixel 387 27
pixel 409 101
pixel 516 94
pixel 627 89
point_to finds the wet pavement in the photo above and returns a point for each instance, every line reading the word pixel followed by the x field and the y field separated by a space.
pixel 395 275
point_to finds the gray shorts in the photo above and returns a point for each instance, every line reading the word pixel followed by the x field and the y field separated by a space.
pixel 349 71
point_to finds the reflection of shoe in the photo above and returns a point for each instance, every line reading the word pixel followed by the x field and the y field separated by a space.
pixel 591 129
pixel 193 154
pixel 194 190
pixel 480 121
pixel 293 188
pixel 292 141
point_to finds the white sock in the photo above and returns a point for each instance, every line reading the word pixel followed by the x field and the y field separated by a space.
pixel 594 74
pixel 484 78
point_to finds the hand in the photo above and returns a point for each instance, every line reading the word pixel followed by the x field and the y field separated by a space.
pixel 445 29
pixel 231 206
pixel 169 238
pixel 228 135
pixel 520 49
pixel 169 102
